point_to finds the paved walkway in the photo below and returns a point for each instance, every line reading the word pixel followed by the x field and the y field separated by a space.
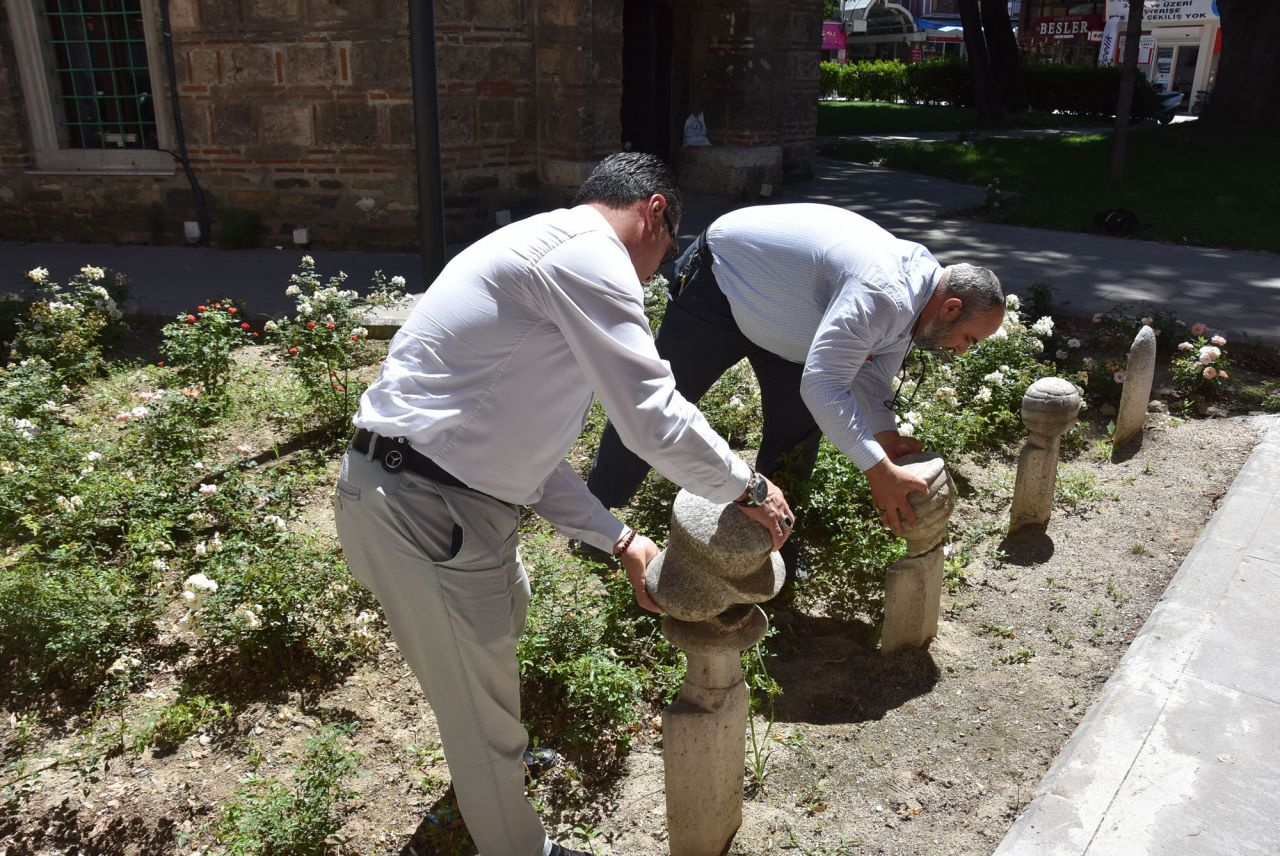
pixel 1180 755
pixel 1236 292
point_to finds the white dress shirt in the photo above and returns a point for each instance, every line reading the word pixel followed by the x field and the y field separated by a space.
pixel 493 372
pixel 827 288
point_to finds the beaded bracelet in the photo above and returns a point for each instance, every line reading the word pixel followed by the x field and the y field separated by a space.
pixel 625 543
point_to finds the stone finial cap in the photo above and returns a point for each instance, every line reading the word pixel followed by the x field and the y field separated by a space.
pixel 716 557
pixel 735 629
pixel 1050 405
pixel 934 510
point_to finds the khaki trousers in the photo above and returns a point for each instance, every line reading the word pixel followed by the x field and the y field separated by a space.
pixel 443 563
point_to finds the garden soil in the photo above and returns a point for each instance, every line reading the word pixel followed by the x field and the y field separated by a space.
pixel 931 752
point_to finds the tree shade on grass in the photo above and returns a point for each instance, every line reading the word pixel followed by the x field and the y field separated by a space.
pixel 1187 184
pixel 878 117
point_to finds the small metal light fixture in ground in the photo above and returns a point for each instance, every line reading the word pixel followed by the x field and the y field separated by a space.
pixel 191 228
pixel 301 237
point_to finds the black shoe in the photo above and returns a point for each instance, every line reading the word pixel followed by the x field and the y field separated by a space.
pixel 797 567
pixel 538 761
pixel 797 572
pixel 557 850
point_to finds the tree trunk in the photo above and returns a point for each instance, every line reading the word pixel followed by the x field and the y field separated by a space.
pixel 1124 102
pixel 1247 90
pixel 1006 60
pixel 985 98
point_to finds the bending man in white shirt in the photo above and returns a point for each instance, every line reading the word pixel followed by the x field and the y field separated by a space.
pixel 825 305
pixel 483 393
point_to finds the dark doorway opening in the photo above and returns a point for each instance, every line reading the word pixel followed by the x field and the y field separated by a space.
pixel 646 77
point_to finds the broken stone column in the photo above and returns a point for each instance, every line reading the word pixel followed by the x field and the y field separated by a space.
pixel 913 585
pixel 1049 408
pixel 717 565
pixel 1139 374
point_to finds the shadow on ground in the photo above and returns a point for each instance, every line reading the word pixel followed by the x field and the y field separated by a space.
pixel 831 672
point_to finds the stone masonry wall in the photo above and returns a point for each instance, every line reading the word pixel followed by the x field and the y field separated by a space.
pixel 754 74
pixel 579 80
pixel 302 111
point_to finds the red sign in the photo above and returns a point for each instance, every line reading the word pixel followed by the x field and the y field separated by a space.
pixel 1065 26
pixel 832 36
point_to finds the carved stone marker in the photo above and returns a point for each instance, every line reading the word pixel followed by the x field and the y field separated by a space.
pixel 1139 374
pixel 913 586
pixel 1049 407
pixel 717 564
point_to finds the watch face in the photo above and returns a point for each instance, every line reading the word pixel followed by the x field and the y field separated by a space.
pixel 759 489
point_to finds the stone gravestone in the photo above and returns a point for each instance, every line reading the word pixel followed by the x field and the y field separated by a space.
pixel 1049 407
pixel 1139 374
pixel 717 565
pixel 913 585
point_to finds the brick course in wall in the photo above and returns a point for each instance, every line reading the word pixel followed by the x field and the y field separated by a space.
pixel 302 111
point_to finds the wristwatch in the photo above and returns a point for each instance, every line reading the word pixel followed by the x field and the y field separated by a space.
pixel 757 491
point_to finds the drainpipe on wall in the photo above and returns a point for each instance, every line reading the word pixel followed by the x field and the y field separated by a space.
pixel 426 126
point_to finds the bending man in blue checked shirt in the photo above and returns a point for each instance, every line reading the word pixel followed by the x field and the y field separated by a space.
pixel 824 304
pixel 483 393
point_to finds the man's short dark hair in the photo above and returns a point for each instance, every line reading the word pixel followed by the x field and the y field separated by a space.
pixel 977 287
pixel 627 177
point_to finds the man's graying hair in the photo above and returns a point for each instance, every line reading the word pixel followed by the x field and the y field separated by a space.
pixel 976 287
pixel 627 177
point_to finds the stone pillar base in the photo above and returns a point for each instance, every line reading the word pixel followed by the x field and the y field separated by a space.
pixel 912 597
pixel 703 748
pixel 733 171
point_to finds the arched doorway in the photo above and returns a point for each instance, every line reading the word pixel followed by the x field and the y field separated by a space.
pixel 646 76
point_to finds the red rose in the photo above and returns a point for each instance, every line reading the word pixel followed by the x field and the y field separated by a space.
pixel 191 319
pixel 328 326
pixel 231 310
pixel 244 326
pixel 311 325
pixel 355 338
pixel 201 308
pixel 293 351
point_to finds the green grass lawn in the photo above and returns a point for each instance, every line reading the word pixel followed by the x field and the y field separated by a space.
pixel 877 117
pixel 1187 183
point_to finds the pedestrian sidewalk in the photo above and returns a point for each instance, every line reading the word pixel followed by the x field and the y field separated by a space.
pixel 1180 754
pixel 1234 292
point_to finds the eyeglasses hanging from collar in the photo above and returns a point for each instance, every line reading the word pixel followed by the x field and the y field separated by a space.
pixel 921 361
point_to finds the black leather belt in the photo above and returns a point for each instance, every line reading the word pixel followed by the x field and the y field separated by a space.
pixel 396 454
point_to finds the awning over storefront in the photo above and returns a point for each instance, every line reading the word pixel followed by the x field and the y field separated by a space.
pixel 875 18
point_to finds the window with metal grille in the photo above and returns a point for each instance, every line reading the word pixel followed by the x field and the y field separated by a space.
pixel 99 75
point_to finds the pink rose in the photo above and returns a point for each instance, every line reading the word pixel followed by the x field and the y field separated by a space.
pixel 1218 340
pixel 1210 372
pixel 1118 376
pixel 1185 346
pixel 1198 329
pixel 1097 318
pixel 1223 375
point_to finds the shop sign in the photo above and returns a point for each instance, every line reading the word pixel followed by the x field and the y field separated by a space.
pixel 1064 26
pixel 1168 11
pixel 832 36
pixel 1146 47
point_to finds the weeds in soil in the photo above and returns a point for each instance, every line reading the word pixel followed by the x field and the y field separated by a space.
pixel 271 818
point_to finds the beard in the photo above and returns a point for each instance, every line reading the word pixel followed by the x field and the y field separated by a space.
pixel 933 335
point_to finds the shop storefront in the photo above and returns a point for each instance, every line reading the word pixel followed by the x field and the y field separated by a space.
pixel 1062 30
pixel 1180 46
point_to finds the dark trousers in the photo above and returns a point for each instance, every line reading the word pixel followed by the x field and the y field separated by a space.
pixel 701 340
